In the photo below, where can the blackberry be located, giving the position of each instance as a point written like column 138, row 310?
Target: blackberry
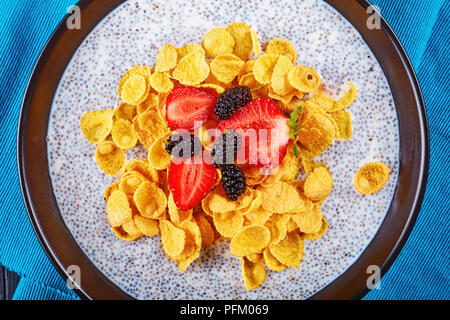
column 232, row 99
column 226, row 148
column 183, row 145
column 233, row 181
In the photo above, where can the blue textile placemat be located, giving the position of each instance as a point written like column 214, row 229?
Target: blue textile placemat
column 421, row 271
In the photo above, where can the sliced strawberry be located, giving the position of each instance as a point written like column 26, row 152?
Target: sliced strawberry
column 264, row 130
column 185, row 105
column 190, row 180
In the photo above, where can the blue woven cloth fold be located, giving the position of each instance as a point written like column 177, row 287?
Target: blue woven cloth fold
column 421, row 270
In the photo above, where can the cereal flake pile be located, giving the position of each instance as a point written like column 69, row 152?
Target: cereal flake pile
column 266, row 211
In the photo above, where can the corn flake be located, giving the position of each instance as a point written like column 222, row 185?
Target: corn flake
column 192, row 69
column 288, row 251
column 263, row 68
column 282, row 47
column 304, row 79
column 161, row 83
column 97, row 125
column 226, row 67
column 218, row 41
column 150, row 200
column 241, row 34
column 279, row 82
column 158, row 157
column 250, row 239
column 118, row 208
column 166, row 59
column 134, row 86
column 371, row 177
column 318, row 184
column 228, row 223
column 109, row 157
column 254, row 273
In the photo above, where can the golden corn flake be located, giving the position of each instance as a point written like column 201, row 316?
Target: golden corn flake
column 272, row 262
column 173, row 239
column 318, row 184
column 263, row 68
column 255, row 43
column 158, row 157
column 150, row 200
column 286, row 99
column 217, row 201
column 290, row 165
column 154, row 123
column 109, row 157
column 211, row 86
column 145, row 138
column 344, row 121
column 277, row 225
column 150, row 103
column 123, row 134
column 118, row 208
column 348, row 98
column 255, row 257
column 241, row 34
column 96, row 125
column 309, row 165
column 177, row 216
column 191, row 69
column 253, row 205
column 279, row 82
column 323, row 100
column 130, row 182
column 189, row 48
column 123, row 235
column 291, row 225
column 304, row 79
column 142, row 166
column 318, row 131
column 371, row 177
column 279, row 198
column 250, row 239
column 206, row 230
column 282, row 47
column 148, row 227
column 289, row 251
column 161, row 83
column 193, row 230
column 134, row 86
column 320, row 233
column 258, row 217
column 247, row 68
column 125, row 111
column 226, row 67
column 131, row 228
column 310, row 221
column 166, row 59
column 228, row 223
column 254, row 273
column 218, row 41
column 109, row 189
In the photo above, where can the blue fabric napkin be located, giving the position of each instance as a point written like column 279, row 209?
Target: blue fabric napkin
column 421, row 270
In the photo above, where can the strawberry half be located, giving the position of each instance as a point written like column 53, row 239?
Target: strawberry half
column 190, row 181
column 264, row 131
column 185, row 105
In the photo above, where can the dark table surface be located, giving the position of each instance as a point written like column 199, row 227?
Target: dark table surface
column 8, row 283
